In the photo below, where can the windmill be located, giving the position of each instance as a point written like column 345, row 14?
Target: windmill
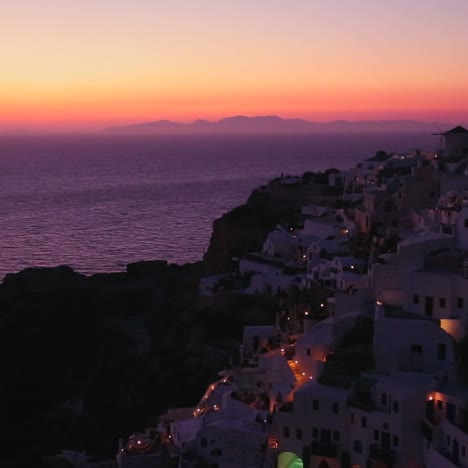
column 441, row 133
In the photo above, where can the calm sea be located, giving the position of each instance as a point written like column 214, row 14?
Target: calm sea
column 97, row 203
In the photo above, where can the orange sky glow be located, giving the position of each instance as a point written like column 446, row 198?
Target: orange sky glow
column 83, row 66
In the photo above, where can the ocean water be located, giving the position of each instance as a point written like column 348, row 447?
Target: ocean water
column 97, row 203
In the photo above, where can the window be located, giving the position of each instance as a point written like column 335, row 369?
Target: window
column 395, row 441
column 352, row 418
column 440, row 405
column 299, row 434
column 308, row 351
column 336, row 436
column 396, row 406
column 441, row 351
column 286, row 431
column 384, row 398
column 466, row 222
column 315, row 404
column 460, row 302
column 463, row 451
column 325, row 436
column 335, row 407
column 204, row 442
column 357, row 446
column 416, row 299
column 416, row 348
column 376, row 434
column 315, row 432
column 449, row 440
column 363, row 421
column 442, row 302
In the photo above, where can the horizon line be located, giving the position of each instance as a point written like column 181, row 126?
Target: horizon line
column 41, row 130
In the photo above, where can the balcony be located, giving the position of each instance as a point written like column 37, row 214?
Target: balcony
column 323, row 449
column 382, row 455
column 449, row 456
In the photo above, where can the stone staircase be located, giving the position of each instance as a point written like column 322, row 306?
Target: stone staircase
column 269, row 460
column 300, row 378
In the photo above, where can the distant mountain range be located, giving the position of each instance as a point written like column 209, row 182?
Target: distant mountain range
column 277, row 125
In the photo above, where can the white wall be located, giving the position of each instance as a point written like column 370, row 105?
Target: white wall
column 394, row 339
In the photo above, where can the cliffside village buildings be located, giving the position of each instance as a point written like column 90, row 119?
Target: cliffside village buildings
column 365, row 367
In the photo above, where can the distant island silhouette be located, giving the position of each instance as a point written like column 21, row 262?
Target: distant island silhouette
column 276, row 125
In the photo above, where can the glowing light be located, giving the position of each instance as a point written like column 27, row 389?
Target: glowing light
column 379, row 303
column 306, row 313
column 431, row 397
column 296, row 362
column 321, row 305
column 310, row 377
column 138, row 442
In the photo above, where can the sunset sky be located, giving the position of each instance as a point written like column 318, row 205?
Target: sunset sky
column 91, row 63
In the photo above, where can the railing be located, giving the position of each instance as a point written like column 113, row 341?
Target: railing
column 426, row 429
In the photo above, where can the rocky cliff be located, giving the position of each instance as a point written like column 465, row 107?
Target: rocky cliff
column 244, row 229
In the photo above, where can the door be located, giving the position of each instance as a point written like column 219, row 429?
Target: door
column 455, row 451
column 429, row 306
column 385, row 440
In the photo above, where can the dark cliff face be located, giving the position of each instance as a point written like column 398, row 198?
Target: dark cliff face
column 240, row 231
column 87, row 360
column 84, row 358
